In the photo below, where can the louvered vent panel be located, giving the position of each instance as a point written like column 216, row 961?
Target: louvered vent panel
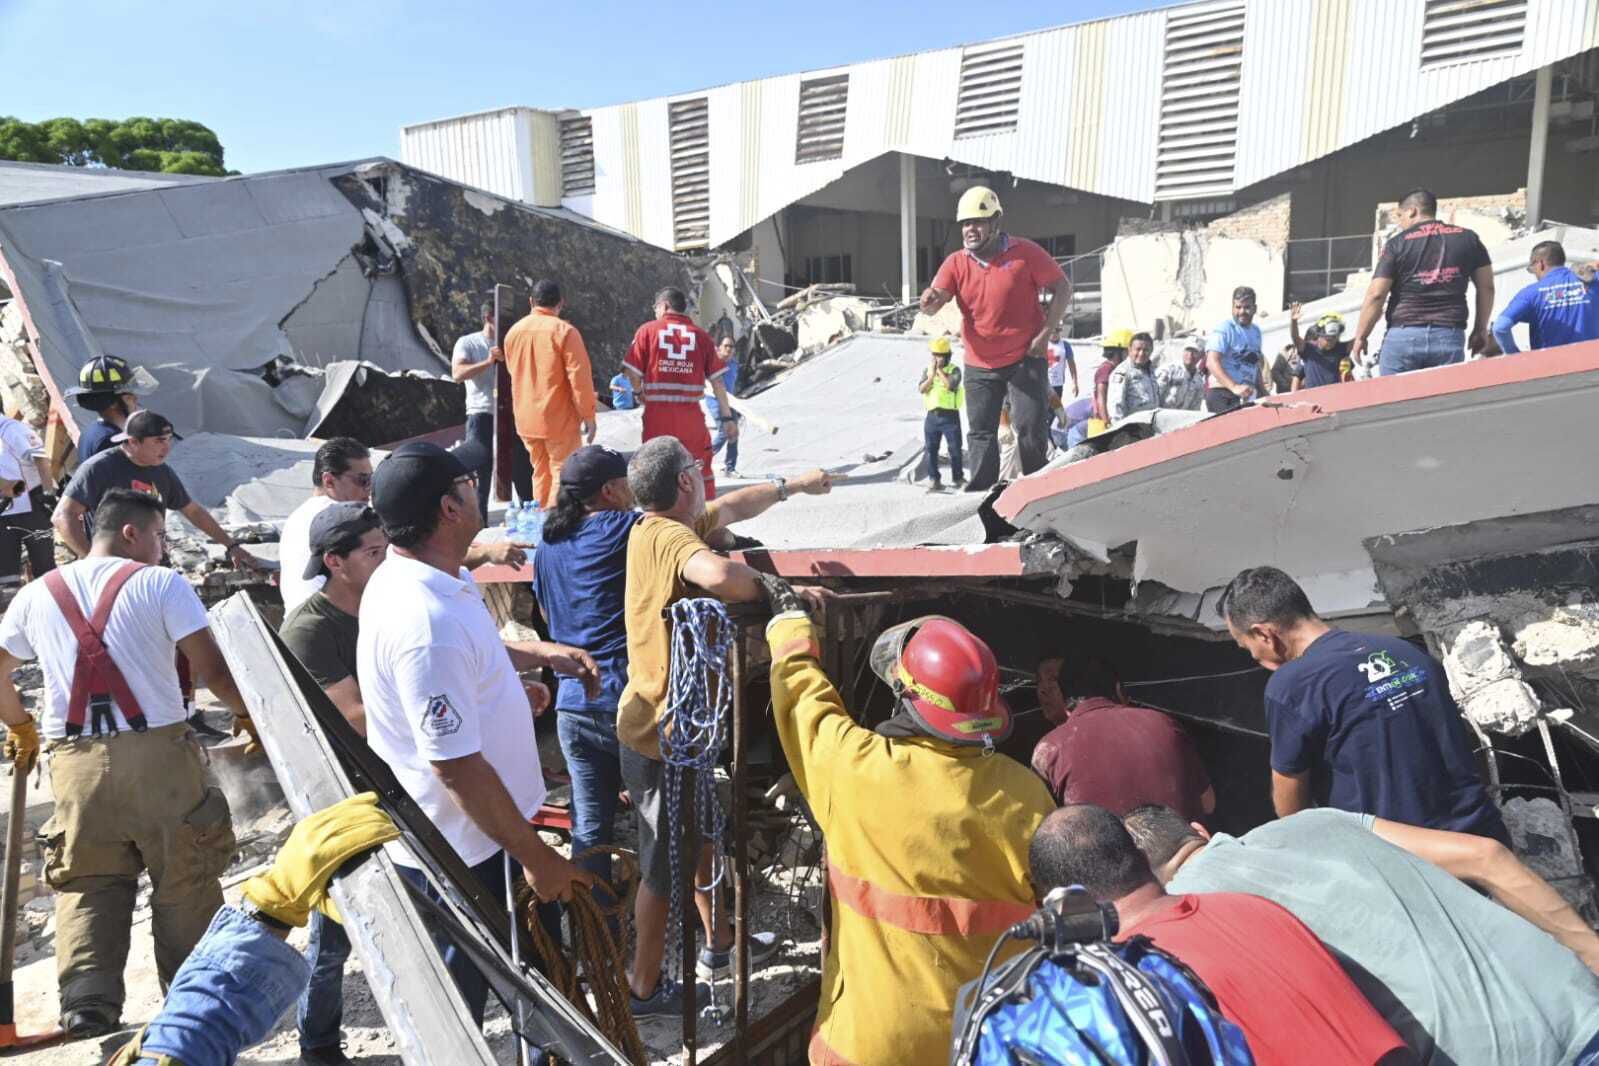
column 689, row 124
column 990, row 90
column 577, row 156
column 1203, row 62
column 1459, row 31
column 822, row 106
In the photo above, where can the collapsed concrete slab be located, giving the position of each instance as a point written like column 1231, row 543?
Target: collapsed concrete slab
column 220, row 288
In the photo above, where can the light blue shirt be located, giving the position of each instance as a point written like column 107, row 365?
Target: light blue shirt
column 228, row 994
column 1461, row 978
column 1240, row 348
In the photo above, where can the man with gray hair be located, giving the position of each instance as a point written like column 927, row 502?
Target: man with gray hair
column 669, row 558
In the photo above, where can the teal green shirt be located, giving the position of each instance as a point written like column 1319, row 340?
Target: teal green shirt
column 1463, row 980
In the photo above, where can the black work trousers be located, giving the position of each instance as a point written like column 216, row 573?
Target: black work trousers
column 1025, row 383
column 29, row 533
column 480, row 429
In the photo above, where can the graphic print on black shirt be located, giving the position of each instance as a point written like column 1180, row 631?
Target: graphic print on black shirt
column 1430, row 265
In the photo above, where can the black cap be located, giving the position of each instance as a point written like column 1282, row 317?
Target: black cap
column 409, row 483
column 144, row 424
column 587, row 470
column 334, row 526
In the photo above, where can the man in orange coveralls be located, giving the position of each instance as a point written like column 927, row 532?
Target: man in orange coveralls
column 668, row 364
column 552, row 388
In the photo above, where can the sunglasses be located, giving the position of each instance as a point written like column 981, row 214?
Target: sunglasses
column 363, row 480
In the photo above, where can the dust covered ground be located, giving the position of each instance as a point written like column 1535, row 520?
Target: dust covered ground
column 786, row 901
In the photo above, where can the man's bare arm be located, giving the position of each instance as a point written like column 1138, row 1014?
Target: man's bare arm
column 460, row 371
column 476, row 788
column 1060, row 300
column 68, row 523
column 1290, row 793
column 499, row 552
column 933, row 300
column 743, row 504
column 1370, row 310
column 1482, row 279
column 212, row 528
column 723, row 578
column 12, row 712
column 200, row 648
column 634, row 378
column 346, row 696
column 724, row 408
column 1489, row 865
column 562, row 658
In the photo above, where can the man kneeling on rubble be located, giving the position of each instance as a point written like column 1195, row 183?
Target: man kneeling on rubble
column 927, row 829
column 130, row 788
column 1460, row 976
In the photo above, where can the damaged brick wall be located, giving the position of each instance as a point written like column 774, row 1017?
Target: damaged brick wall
column 454, row 244
column 1266, row 222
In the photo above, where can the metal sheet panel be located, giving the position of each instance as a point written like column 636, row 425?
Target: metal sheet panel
column 478, row 150
column 1045, row 115
column 1285, row 90
column 1129, row 108
column 652, row 136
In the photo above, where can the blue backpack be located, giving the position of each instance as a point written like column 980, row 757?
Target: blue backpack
column 1096, row 1004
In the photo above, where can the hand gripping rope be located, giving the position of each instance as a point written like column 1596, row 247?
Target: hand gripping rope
column 692, row 730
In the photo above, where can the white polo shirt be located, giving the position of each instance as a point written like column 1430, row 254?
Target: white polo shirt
column 154, row 610
column 294, row 552
column 19, row 444
column 438, row 684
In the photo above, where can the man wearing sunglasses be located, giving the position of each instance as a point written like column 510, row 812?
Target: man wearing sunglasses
column 340, row 473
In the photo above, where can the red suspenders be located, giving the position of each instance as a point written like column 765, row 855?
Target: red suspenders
column 96, row 678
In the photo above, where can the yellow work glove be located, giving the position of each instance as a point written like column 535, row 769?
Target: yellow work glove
column 22, row 745
column 243, row 723
column 316, row 848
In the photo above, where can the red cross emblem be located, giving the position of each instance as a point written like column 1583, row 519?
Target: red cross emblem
column 676, row 340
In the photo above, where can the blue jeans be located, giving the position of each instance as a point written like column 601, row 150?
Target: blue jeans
column 943, row 425
column 491, row 873
column 1406, row 348
column 588, row 740
column 320, row 1017
column 720, row 439
column 228, row 994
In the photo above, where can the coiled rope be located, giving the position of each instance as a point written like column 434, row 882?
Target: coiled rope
column 596, row 947
column 699, row 701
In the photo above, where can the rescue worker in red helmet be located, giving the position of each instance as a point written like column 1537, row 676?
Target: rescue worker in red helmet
column 927, row 829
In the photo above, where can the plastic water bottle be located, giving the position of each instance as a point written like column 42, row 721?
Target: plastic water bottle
column 533, row 519
column 512, row 517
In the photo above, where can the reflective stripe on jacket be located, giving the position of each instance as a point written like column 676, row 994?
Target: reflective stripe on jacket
column 927, row 863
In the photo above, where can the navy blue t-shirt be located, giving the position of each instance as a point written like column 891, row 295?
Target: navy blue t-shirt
column 95, row 439
column 581, row 585
column 1375, row 715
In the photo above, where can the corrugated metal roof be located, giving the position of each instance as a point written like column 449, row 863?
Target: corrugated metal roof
column 1087, row 111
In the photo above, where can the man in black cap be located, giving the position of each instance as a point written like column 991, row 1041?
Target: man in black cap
column 444, row 706
column 347, row 544
column 140, row 463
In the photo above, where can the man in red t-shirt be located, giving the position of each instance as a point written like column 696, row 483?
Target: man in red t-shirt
column 668, row 364
column 1106, row 752
column 1269, row 973
column 996, row 280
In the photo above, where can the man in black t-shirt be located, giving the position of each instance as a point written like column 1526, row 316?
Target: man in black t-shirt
column 1422, row 276
column 347, row 544
column 139, row 462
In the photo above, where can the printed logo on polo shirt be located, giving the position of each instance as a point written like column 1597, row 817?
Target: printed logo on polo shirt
column 1390, row 680
column 441, row 718
column 1378, row 665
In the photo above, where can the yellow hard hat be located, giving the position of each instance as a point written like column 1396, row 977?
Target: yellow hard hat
column 977, row 202
column 939, row 345
column 1119, row 338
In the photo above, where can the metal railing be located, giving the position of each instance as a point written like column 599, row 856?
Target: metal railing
column 1319, row 266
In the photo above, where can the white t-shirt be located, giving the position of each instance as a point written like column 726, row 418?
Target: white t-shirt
column 438, row 684
column 21, row 445
column 294, row 551
column 154, row 610
column 474, row 348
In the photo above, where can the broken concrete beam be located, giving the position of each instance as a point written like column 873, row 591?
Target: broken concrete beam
column 1543, row 838
column 1486, row 680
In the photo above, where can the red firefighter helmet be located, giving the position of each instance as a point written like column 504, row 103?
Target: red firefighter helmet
column 947, row 680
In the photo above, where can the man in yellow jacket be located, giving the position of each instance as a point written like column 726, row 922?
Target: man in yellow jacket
column 927, row 830
column 552, row 388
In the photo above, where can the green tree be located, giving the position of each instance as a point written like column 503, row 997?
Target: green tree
column 173, row 146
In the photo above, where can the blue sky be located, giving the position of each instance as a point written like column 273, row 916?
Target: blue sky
column 296, row 82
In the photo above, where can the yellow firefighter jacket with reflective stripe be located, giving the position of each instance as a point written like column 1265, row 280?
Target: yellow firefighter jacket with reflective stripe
column 927, row 863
